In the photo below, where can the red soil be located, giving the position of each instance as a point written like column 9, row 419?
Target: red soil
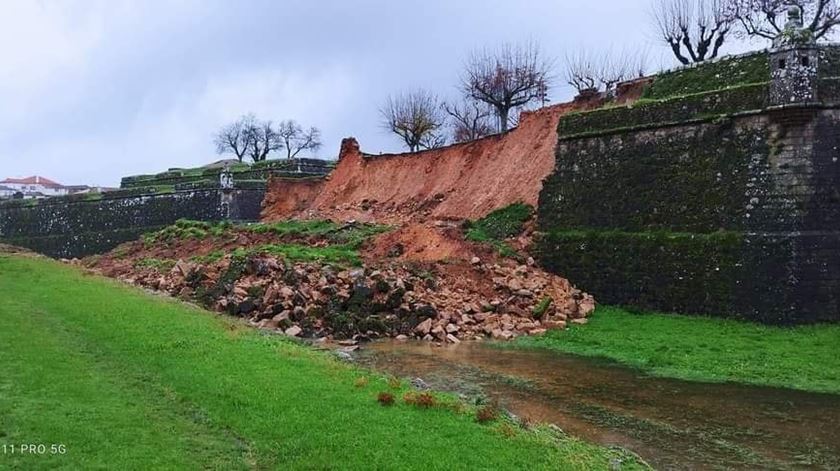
column 290, row 196
column 425, row 243
column 460, row 181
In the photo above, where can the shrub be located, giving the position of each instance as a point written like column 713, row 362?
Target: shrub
column 486, row 414
column 507, row 430
column 425, row 400
column 385, row 398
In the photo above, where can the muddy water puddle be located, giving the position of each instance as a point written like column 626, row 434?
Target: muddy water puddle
column 671, row 424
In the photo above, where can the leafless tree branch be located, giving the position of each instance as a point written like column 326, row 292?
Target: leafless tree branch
column 766, row 18
column 415, row 117
column 506, row 78
column 695, row 30
column 469, row 120
column 295, row 139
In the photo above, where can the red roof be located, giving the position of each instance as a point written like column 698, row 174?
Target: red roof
column 36, row 180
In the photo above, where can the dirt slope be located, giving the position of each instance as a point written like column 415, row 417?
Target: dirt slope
column 462, row 181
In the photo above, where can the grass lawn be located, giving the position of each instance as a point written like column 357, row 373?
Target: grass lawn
column 127, row 380
column 706, row 349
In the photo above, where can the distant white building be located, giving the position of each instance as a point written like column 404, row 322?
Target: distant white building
column 34, row 186
column 7, row 192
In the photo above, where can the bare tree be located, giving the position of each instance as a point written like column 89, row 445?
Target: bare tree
column 415, row 117
column 581, row 71
column 231, row 139
column 695, row 30
column 603, row 72
column 506, row 78
column 295, row 139
column 260, row 137
column 470, row 120
column 766, row 18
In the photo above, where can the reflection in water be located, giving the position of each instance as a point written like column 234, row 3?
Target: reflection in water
column 671, row 424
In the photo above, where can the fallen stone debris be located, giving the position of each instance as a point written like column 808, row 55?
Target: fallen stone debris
column 446, row 301
column 400, row 300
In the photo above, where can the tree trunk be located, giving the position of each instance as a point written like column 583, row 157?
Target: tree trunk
column 503, row 119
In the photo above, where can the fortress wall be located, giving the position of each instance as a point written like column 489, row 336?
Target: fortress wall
column 711, row 203
column 67, row 228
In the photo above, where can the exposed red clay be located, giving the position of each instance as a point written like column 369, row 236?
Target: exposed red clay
column 462, row 181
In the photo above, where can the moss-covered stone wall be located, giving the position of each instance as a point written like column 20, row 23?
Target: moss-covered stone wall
column 85, row 224
column 242, row 172
column 731, row 209
column 90, row 224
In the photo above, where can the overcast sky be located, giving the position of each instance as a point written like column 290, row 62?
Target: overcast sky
column 93, row 90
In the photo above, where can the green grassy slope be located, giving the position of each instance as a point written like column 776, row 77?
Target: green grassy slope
column 706, row 349
column 125, row 380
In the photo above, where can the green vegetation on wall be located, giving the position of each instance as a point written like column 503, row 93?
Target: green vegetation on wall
column 700, row 199
column 690, row 272
column 705, row 106
column 708, row 76
column 702, row 92
column 643, row 181
column 243, row 174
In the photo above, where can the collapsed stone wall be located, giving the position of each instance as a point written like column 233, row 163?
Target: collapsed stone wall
column 460, row 181
column 715, row 202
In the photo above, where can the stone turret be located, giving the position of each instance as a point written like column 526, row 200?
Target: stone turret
column 794, row 60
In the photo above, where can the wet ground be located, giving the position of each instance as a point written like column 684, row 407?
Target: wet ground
column 671, row 424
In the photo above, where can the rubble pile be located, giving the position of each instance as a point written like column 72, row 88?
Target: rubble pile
column 441, row 302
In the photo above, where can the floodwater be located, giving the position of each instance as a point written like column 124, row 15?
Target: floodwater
column 671, row 424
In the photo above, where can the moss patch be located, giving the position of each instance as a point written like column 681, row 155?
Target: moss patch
column 716, row 75
column 499, row 225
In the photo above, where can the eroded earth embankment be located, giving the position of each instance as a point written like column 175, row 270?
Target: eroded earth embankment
column 462, row 181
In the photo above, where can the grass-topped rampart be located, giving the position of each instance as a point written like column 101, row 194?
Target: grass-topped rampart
column 702, row 92
column 242, row 172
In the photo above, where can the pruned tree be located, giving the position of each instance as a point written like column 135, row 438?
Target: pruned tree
column 261, row 138
column 506, row 78
column 603, row 72
column 415, row 117
column 766, row 18
column 469, row 120
column 231, row 139
column 295, row 139
column 695, row 30
column 581, row 71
